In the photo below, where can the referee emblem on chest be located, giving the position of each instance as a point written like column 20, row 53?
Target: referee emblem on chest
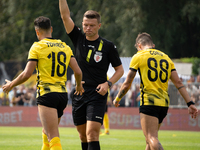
column 98, row 56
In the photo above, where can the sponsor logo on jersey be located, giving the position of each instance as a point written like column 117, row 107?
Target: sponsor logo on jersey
column 98, row 117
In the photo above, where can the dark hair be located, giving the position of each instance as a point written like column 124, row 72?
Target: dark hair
column 42, row 23
column 91, row 14
column 144, row 39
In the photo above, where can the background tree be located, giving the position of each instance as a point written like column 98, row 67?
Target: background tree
column 174, row 25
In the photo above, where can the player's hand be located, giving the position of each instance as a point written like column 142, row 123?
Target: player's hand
column 116, row 103
column 102, row 89
column 7, row 87
column 79, row 89
column 193, row 111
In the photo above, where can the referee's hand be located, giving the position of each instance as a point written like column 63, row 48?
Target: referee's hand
column 102, row 89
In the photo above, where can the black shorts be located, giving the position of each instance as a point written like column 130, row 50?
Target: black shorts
column 54, row 100
column 106, row 110
column 156, row 111
column 90, row 106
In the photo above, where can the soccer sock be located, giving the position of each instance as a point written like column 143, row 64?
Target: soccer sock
column 94, row 145
column 45, row 145
column 106, row 123
column 55, row 144
column 84, row 146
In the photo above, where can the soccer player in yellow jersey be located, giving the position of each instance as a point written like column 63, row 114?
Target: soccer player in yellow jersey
column 51, row 58
column 155, row 69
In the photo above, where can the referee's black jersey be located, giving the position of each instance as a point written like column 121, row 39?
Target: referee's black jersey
column 94, row 57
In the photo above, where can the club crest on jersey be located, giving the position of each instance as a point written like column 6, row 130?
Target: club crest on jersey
column 98, row 56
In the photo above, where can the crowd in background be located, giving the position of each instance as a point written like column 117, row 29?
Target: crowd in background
column 19, row 96
column 193, row 88
column 26, row 96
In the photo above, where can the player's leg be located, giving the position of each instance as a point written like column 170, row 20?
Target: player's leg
column 106, row 123
column 150, row 127
column 45, row 145
column 92, row 132
column 82, row 135
column 95, row 114
column 49, row 120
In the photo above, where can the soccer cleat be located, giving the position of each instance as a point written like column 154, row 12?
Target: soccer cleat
column 107, row 133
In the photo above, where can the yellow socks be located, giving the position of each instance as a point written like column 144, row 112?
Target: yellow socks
column 45, row 145
column 106, row 123
column 55, row 144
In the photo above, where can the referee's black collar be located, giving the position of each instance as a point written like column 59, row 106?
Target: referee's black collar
column 98, row 39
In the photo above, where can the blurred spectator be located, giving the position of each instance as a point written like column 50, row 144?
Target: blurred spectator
column 198, row 101
column 11, row 95
column 191, row 80
column 122, row 102
column 198, row 79
column 137, row 97
column 19, row 99
column 3, row 98
column 136, row 93
column 34, row 92
column 129, row 97
column 193, row 97
column 29, row 97
column 69, row 87
column 113, row 92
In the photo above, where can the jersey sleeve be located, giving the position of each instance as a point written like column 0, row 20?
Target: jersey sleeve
column 134, row 64
column 74, row 34
column 33, row 53
column 172, row 65
column 114, row 56
column 69, row 48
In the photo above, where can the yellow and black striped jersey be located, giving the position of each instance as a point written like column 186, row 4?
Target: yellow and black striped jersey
column 155, row 69
column 53, row 57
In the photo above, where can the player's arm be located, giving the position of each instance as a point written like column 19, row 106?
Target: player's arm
column 65, row 15
column 77, row 74
column 25, row 75
column 181, row 88
column 125, row 87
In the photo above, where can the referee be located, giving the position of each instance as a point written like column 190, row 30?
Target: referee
column 94, row 55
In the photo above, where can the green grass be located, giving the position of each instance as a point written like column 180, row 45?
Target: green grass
column 29, row 138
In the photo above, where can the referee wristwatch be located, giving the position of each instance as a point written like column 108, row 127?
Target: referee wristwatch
column 109, row 83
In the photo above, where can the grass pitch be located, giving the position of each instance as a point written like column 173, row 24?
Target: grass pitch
column 30, row 138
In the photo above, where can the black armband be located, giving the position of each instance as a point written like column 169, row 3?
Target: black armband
column 190, row 103
column 180, row 87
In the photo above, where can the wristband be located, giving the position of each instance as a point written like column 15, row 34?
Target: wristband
column 190, row 103
column 118, row 99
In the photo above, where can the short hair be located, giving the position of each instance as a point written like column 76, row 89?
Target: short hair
column 42, row 23
column 144, row 39
column 91, row 14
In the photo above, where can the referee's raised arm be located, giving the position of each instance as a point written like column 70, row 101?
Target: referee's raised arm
column 65, row 15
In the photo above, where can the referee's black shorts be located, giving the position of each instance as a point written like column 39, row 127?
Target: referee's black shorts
column 156, row 111
column 90, row 106
column 54, row 100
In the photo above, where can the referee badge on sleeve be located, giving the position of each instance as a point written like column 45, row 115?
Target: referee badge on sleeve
column 98, row 56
